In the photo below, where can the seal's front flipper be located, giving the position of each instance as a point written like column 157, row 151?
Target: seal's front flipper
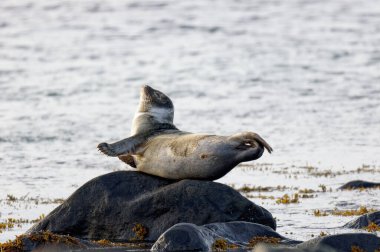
column 122, row 147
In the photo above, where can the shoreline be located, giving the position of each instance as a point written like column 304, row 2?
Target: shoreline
column 316, row 190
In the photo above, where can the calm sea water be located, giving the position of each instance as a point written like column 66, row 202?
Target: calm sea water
column 303, row 74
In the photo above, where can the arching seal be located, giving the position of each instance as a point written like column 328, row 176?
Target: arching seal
column 157, row 147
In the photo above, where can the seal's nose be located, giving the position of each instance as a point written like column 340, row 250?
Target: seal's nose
column 147, row 90
column 146, row 86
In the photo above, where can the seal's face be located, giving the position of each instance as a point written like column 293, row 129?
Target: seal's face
column 155, row 108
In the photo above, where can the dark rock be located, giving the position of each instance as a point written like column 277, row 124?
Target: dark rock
column 332, row 243
column 126, row 205
column 282, row 248
column 184, row 236
column 49, row 242
column 359, row 184
column 344, row 242
column 364, row 220
column 190, row 237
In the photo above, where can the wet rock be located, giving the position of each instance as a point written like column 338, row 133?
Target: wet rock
column 364, row 220
column 359, row 184
column 331, row 243
column 343, row 242
column 281, row 248
column 128, row 205
column 46, row 241
column 190, row 237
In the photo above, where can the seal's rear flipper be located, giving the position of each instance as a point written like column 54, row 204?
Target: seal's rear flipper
column 128, row 159
column 247, row 137
column 122, row 147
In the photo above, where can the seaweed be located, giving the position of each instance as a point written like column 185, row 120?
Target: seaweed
column 140, row 231
column 263, row 239
column 286, row 199
column 222, row 245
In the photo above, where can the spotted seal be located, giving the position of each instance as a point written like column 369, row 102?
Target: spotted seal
column 158, row 148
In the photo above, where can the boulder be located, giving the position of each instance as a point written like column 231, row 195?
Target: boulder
column 332, row 243
column 344, row 242
column 49, row 242
column 129, row 205
column 281, row 248
column 46, row 241
column 364, row 220
column 359, row 184
column 216, row 236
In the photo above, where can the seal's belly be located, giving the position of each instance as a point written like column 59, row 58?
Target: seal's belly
column 178, row 156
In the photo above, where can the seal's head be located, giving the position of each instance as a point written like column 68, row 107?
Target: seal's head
column 250, row 146
column 155, row 108
column 153, row 100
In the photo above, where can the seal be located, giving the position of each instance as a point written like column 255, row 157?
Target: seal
column 158, row 148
